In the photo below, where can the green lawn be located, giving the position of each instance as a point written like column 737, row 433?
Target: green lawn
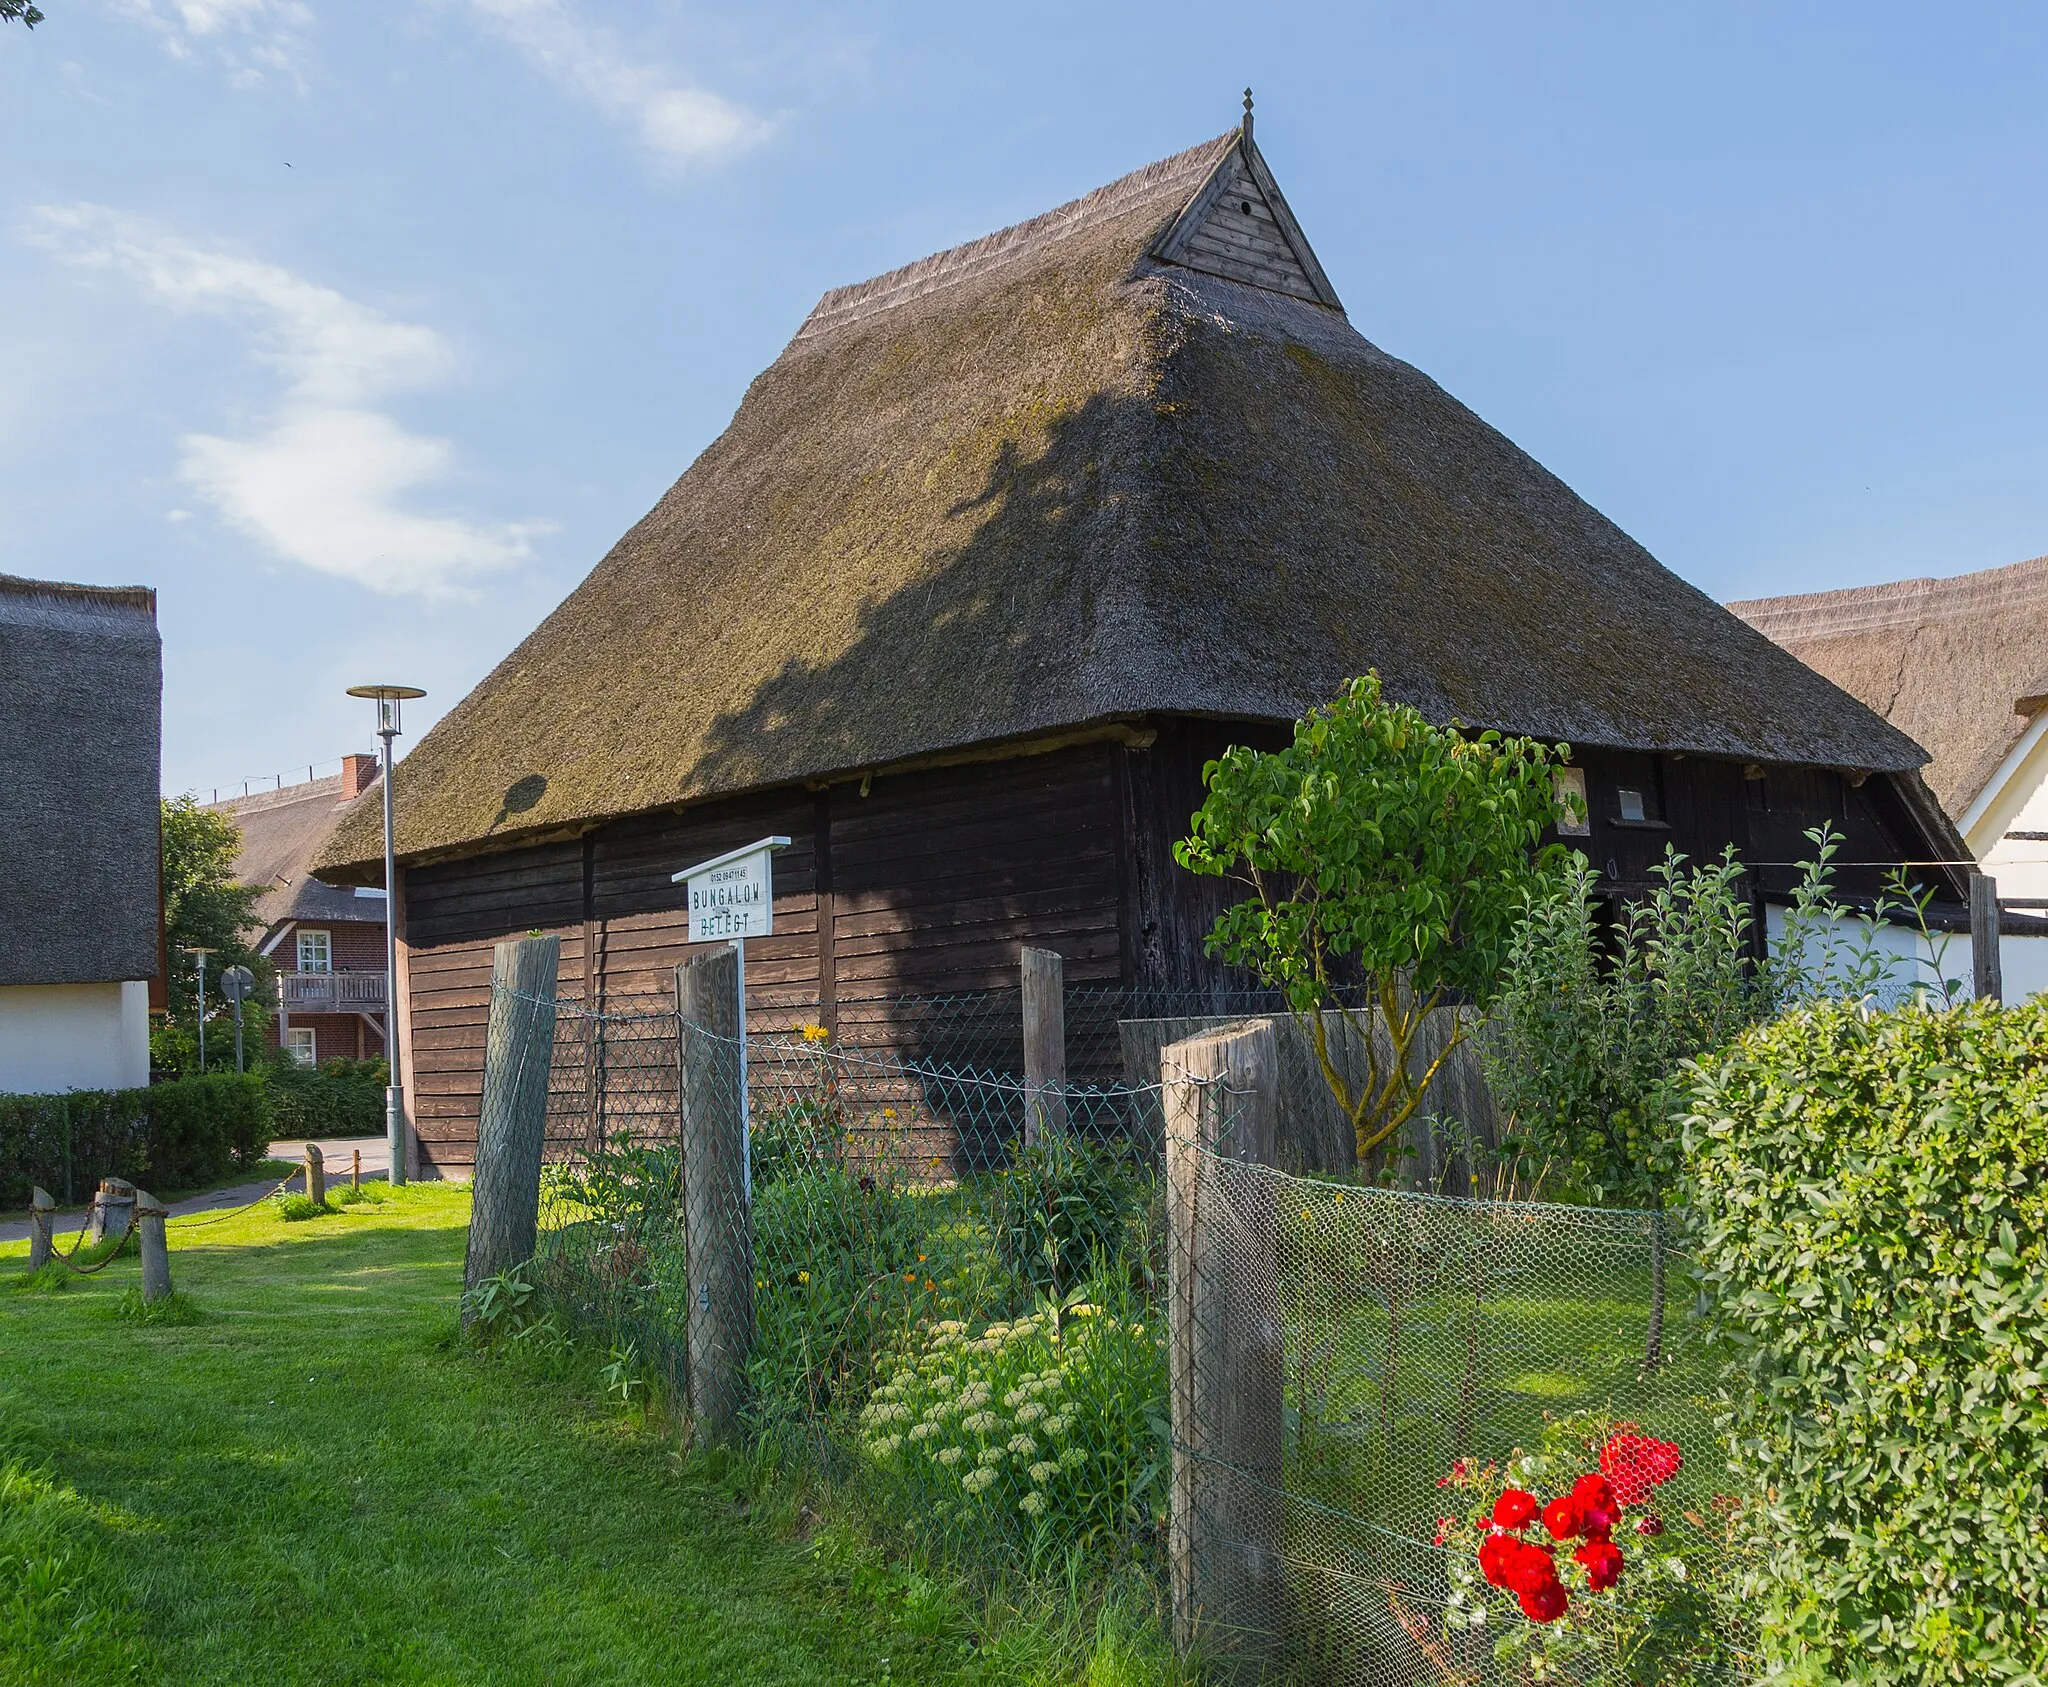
column 319, row 1481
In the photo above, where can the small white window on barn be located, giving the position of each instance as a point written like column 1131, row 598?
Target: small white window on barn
column 299, row 1044
column 1631, row 806
column 316, row 952
column 1574, row 818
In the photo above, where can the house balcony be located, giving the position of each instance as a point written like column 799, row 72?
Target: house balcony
column 330, row 992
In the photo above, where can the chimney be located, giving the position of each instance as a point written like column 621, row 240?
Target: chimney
column 358, row 774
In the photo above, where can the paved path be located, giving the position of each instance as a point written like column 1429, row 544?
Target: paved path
column 335, row 1150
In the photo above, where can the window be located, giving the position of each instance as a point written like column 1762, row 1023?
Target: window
column 316, row 952
column 299, row 1044
column 1574, row 818
column 1631, row 806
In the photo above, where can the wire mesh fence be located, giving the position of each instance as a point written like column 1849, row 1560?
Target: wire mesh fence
column 1428, row 1355
column 990, row 1312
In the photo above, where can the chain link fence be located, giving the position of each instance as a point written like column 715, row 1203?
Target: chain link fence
column 1094, row 1324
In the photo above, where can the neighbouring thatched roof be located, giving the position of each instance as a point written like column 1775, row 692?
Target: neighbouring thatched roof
column 1051, row 478
column 81, row 680
column 282, row 832
column 1960, row 664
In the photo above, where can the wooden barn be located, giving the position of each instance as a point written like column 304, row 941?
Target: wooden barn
column 1000, row 550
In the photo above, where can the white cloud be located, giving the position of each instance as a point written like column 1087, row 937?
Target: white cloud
column 324, row 484
column 253, row 38
column 679, row 124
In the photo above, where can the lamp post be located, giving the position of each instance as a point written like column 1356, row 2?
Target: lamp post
column 388, row 698
column 201, row 954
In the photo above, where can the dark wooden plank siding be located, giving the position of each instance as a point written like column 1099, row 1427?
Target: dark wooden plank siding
column 928, row 884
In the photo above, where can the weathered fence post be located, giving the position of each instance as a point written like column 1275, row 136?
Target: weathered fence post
column 519, row 1048
column 316, row 1175
column 1226, row 1348
column 355, row 1168
column 156, row 1252
column 717, row 1220
column 113, row 1210
column 41, row 1227
column 1045, row 1045
column 1987, row 976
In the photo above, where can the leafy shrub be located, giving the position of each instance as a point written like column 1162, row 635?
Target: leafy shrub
column 1062, row 1210
column 1592, row 1027
column 334, row 1098
column 1873, row 1191
column 1047, row 1432
column 169, row 1136
column 501, row 1304
column 296, row 1209
column 845, row 1264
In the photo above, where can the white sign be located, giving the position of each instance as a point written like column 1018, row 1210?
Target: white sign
column 733, row 895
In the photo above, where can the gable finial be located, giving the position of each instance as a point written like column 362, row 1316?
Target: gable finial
column 1247, row 114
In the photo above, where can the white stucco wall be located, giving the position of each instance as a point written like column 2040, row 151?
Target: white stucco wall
column 73, row 1037
column 2023, row 961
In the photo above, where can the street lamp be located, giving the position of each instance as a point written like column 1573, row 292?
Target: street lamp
column 388, row 698
column 201, row 954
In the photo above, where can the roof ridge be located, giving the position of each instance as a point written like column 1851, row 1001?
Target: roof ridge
column 1898, row 603
column 863, row 299
column 47, row 597
column 306, row 790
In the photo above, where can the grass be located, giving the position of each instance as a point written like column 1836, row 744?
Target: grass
column 302, row 1473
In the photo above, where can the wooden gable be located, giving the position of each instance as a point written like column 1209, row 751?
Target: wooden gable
column 1238, row 226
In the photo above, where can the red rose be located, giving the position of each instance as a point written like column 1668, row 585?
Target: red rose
column 1650, row 1525
column 1603, row 1562
column 1443, row 1531
column 1596, row 1500
column 1543, row 1604
column 1563, row 1517
column 1494, row 1553
column 1637, row 1463
column 1513, row 1508
column 1528, row 1566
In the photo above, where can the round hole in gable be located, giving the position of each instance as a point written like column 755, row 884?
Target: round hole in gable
column 1245, row 205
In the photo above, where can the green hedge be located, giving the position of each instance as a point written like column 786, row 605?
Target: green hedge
column 335, row 1098
column 169, row 1136
column 1874, row 1195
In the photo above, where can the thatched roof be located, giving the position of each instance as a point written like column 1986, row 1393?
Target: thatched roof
column 1960, row 664
column 1055, row 477
column 81, row 680
column 282, row 832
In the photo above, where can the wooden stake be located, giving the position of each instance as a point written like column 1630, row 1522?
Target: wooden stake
column 519, row 1049
column 718, row 1228
column 113, row 1211
column 156, row 1252
column 41, row 1227
column 1045, row 1045
column 1225, row 1349
column 355, row 1169
column 1987, row 976
column 316, row 1175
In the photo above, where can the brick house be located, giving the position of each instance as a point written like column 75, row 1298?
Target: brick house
column 326, row 941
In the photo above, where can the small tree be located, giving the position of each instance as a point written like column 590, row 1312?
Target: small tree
column 205, row 907
column 1384, row 847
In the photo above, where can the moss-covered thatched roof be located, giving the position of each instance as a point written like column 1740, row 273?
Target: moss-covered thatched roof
column 1960, row 663
column 1051, row 479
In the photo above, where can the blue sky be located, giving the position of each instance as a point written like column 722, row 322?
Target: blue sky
column 361, row 331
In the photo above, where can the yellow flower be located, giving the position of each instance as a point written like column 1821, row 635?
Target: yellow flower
column 888, row 1112
column 803, row 1276
column 816, row 1034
